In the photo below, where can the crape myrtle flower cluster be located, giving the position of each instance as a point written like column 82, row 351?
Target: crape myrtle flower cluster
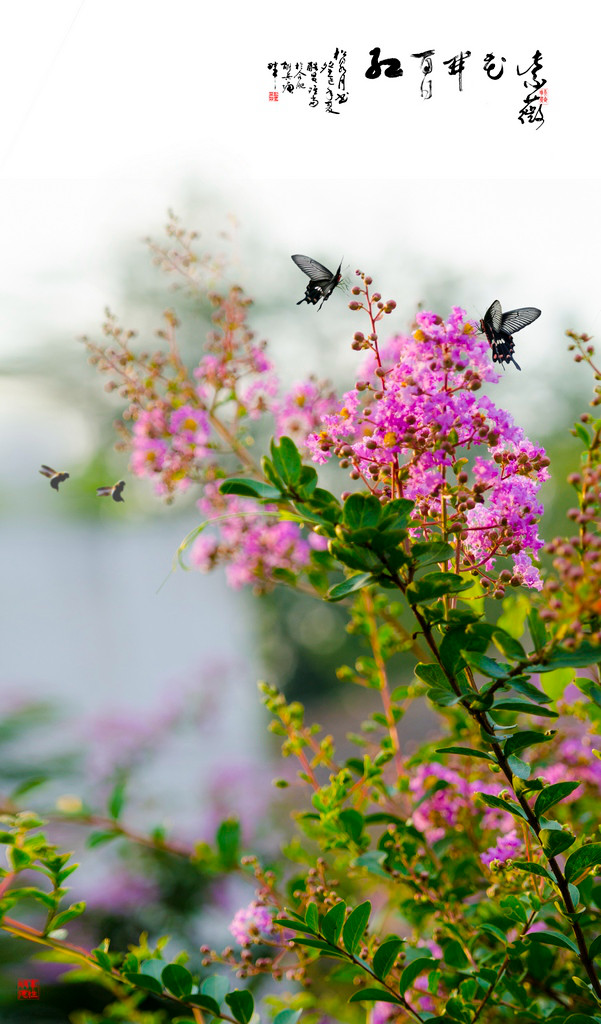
column 413, row 423
column 412, row 427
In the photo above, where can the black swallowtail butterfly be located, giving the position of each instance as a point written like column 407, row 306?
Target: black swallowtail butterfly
column 54, row 476
column 322, row 282
column 500, row 327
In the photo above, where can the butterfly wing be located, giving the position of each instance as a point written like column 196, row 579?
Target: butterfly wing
column 47, row 471
column 491, row 324
column 314, row 270
column 103, row 492
column 515, row 319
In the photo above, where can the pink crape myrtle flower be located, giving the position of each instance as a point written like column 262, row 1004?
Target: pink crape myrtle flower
column 444, row 809
column 403, row 429
column 251, row 544
column 250, row 920
column 506, row 848
column 300, row 412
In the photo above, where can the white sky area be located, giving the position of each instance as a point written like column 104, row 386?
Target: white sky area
column 114, row 111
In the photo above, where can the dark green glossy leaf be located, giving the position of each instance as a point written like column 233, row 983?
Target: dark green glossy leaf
column 331, row 924
column 525, row 708
column 103, row 959
column 361, row 511
column 413, row 970
column 586, row 857
column 434, row 585
column 249, row 488
column 354, row 926
column 585, row 654
column 532, row 868
column 528, row 689
column 487, row 666
column 537, row 629
column 295, row 926
column 522, row 740
column 385, row 957
column 518, row 767
column 216, row 987
column 178, row 980
column 348, row 586
column 204, row 1002
column 551, row 795
column 427, row 551
column 553, row 939
column 595, row 946
column 287, row 1017
column 503, row 805
column 468, row 751
column 555, row 841
column 510, row 647
column 312, row 916
column 287, row 460
column 241, row 1003
column 589, row 689
column 374, row 995
column 145, row 981
column 454, row 955
column 352, row 823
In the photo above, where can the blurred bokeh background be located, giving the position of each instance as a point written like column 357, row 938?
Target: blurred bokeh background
column 115, row 118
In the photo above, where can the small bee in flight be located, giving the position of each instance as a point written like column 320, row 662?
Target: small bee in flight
column 114, row 492
column 56, row 478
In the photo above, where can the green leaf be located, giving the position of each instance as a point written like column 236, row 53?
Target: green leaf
column 287, row 1017
column 524, row 707
column 103, row 959
column 503, row 805
column 454, row 955
column 532, row 868
column 556, row 681
column 518, row 767
column 522, row 740
column 331, row 925
column 581, row 1018
column 589, row 689
column 552, row 795
column 468, row 751
column 67, row 915
column 248, row 488
column 385, row 957
column 178, row 980
column 352, row 822
column 487, row 666
column 312, row 916
column 553, row 939
column 241, row 1003
column 373, row 860
column 595, row 946
column 287, row 460
column 116, row 800
column 146, row 982
column 434, row 585
column 204, row 1002
column 586, row 857
column 348, row 586
column 427, row 551
column 154, row 968
column 508, row 645
column 100, row 837
column 18, row 858
column 322, row 945
column 361, row 511
column 374, row 995
column 354, row 926
column 413, row 970
column 216, row 986
column 537, row 629
column 228, row 842
column 295, row 926
column 555, row 841
column 528, row 689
